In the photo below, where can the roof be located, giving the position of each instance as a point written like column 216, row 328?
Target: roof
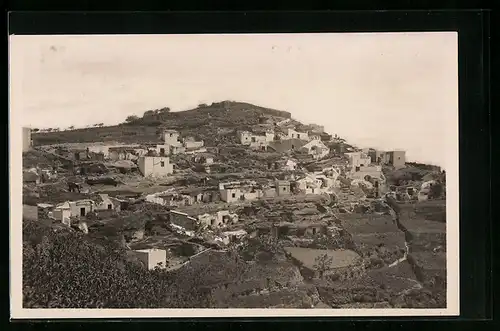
column 191, row 191
column 340, row 258
column 170, row 131
column 147, row 250
column 44, row 205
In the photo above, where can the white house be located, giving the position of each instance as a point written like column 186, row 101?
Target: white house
column 162, row 150
column 292, row 134
column 107, row 203
column 152, row 257
column 290, row 165
column 68, row 209
column 358, row 159
column 233, row 192
column 170, row 136
column 155, row 166
column 256, row 141
column 316, row 148
column 191, row 143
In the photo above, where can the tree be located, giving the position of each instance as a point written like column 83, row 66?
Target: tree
column 100, row 125
column 322, row 264
column 35, row 130
column 71, row 127
column 436, row 190
column 131, row 118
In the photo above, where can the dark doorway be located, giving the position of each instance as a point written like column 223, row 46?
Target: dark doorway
column 82, row 211
column 162, row 151
column 110, row 206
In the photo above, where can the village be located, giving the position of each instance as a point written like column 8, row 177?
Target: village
column 170, row 202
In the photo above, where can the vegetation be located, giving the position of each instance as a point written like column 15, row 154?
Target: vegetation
column 65, row 270
column 216, row 123
column 322, row 264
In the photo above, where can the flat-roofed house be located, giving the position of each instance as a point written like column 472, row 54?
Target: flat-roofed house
column 155, row 166
column 152, row 258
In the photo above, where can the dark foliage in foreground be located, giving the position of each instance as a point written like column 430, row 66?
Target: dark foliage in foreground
column 63, row 270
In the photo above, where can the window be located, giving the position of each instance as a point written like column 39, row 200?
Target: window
column 298, row 136
column 284, row 189
column 171, row 135
column 234, row 195
column 162, row 164
column 162, row 150
column 82, row 211
column 110, row 206
column 314, row 230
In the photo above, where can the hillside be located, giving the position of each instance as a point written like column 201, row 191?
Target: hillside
column 214, row 123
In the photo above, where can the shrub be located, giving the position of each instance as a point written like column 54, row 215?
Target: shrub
column 65, row 270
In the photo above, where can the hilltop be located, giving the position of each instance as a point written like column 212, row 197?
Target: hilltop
column 215, row 123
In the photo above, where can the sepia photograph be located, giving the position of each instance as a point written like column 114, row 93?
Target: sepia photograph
column 234, row 175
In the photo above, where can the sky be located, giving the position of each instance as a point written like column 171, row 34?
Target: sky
column 382, row 90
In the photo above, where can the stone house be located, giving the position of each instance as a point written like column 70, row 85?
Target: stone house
column 316, row 148
column 192, row 196
column 395, row 158
column 218, row 219
column 357, row 160
column 292, row 134
column 256, row 141
column 108, row 203
column 282, row 187
column 121, row 153
column 314, row 136
column 234, row 192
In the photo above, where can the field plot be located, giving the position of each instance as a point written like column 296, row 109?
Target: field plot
column 357, row 224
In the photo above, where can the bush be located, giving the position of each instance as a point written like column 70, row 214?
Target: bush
column 65, row 270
